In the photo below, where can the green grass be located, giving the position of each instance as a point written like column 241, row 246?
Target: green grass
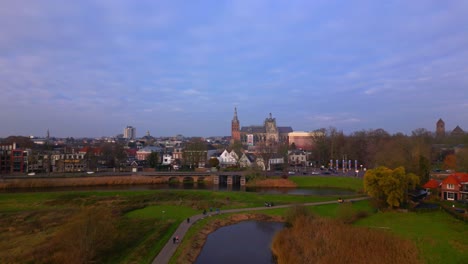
column 440, row 237
column 332, row 210
column 163, row 212
column 350, row 183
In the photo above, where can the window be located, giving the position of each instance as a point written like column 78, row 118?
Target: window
column 450, row 186
column 450, row 196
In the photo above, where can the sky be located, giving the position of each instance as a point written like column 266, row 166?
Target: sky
column 90, row 68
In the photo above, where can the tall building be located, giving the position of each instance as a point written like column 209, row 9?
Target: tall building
column 440, row 128
column 251, row 135
column 130, row 132
column 235, row 127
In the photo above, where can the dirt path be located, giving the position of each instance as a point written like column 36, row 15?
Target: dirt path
column 169, row 249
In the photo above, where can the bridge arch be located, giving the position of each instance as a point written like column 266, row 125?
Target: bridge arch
column 188, row 179
column 173, row 179
column 201, row 179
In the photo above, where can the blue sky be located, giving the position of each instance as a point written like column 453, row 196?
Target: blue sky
column 90, row 68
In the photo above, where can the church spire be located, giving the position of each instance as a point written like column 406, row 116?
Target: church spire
column 235, row 127
column 235, row 115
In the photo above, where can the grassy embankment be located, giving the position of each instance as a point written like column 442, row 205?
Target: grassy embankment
column 439, row 237
column 350, row 183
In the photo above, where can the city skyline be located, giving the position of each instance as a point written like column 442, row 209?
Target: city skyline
column 88, row 69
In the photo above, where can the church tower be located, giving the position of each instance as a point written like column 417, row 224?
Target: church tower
column 235, row 127
column 440, row 128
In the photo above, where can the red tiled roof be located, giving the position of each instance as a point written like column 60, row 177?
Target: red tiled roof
column 131, row 152
column 431, row 184
column 462, row 177
column 452, row 179
column 90, row 149
column 456, row 178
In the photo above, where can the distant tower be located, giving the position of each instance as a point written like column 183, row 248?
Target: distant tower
column 235, row 127
column 440, row 128
column 48, row 134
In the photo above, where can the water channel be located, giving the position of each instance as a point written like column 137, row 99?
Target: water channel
column 145, row 187
column 245, row 242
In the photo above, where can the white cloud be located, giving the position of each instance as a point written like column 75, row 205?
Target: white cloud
column 190, row 92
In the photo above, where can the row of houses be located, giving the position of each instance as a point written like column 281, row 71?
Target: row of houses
column 17, row 160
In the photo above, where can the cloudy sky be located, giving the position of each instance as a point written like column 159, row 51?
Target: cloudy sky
column 90, row 68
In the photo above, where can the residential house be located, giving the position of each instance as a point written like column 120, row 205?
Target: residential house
column 432, row 186
column 143, row 154
column 247, row 160
column 297, row 157
column 275, row 161
column 228, row 159
column 453, row 188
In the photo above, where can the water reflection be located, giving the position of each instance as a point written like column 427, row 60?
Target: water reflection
column 245, row 242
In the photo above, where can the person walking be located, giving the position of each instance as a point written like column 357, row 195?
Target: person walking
column 188, row 220
column 173, row 240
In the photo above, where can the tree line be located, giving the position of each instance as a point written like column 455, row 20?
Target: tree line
column 418, row 153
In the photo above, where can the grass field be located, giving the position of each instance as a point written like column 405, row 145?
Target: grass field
column 350, row 183
column 30, row 221
column 440, row 237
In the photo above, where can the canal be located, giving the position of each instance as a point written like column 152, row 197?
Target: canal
column 245, row 242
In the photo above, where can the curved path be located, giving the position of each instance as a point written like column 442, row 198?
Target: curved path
column 168, row 250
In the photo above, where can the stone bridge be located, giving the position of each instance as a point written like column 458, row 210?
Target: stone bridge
column 216, row 178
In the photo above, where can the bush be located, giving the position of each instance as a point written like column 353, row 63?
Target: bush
column 329, row 241
column 347, row 215
column 296, row 212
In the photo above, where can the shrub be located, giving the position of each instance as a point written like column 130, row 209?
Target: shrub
column 296, row 212
column 328, row 241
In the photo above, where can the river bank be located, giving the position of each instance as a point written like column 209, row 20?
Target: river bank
column 88, row 181
column 6, row 184
column 193, row 245
column 276, row 183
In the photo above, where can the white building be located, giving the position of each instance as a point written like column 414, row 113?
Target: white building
column 228, row 159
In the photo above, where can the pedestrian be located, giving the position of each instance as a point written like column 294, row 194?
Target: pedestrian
column 188, row 220
column 173, row 240
column 177, row 239
column 204, row 211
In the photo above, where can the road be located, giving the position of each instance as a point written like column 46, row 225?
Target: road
column 169, row 249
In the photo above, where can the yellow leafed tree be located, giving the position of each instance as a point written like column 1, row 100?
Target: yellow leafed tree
column 389, row 186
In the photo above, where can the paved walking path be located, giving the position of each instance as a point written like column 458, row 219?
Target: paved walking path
column 168, row 250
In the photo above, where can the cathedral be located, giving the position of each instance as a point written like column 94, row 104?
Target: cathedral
column 251, row 135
